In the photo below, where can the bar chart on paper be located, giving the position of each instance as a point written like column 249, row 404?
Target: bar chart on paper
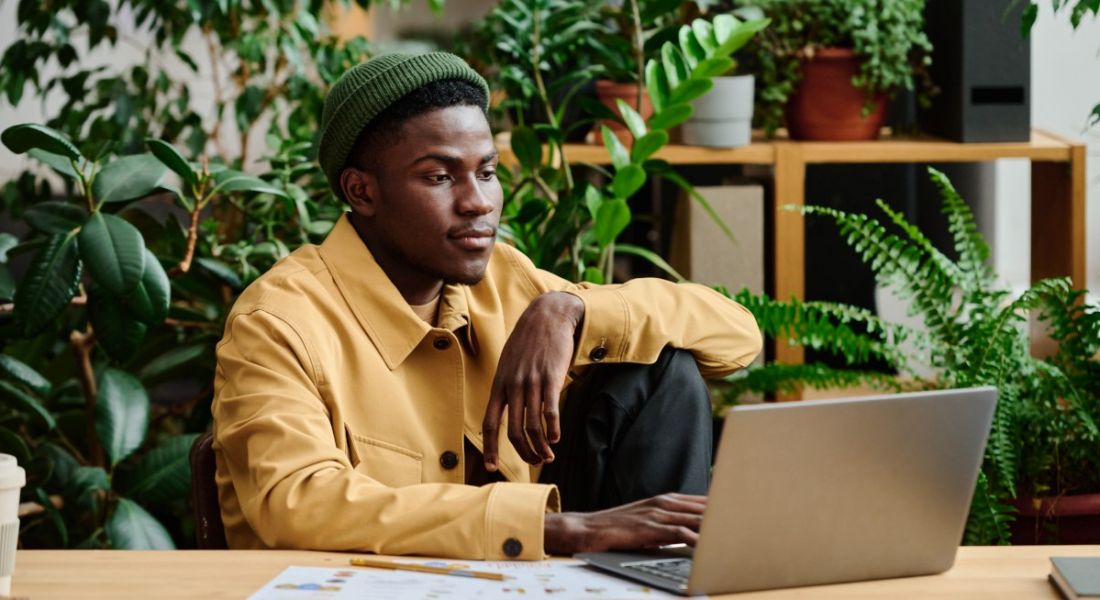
column 556, row 579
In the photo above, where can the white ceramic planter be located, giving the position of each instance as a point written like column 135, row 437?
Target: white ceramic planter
column 723, row 116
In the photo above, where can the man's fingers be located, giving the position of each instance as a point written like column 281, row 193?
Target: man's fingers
column 532, row 423
column 681, row 503
column 551, row 393
column 676, row 534
column 490, row 428
column 683, row 519
column 516, row 401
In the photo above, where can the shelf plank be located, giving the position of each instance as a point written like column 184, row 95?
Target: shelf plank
column 924, row 149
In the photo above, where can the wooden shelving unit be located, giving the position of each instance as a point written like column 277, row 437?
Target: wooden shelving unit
column 1057, row 193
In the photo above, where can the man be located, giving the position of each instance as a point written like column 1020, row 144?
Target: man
column 364, row 385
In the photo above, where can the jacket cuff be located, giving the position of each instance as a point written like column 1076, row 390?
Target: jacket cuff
column 606, row 327
column 515, row 518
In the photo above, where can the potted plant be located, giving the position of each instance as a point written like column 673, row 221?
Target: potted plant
column 722, row 117
column 827, row 67
column 632, row 32
column 1040, row 481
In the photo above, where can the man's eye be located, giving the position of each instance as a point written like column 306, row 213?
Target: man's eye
column 438, row 178
column 488, row 175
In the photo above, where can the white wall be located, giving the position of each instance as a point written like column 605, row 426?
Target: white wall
column 1065, row 85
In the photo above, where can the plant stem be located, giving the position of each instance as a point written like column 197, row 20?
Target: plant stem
column 192, row 238
column 639, row 51
column 82, row 344
column 536, row 60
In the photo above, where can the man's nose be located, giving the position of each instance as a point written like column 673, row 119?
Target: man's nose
column 472, row 199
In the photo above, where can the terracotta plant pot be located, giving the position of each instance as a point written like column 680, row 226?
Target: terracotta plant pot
column 608, row 92
column 826, row 106
column 1066, row 520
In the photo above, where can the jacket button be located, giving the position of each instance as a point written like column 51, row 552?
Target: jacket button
column 449, row 460
column 441, row 343
column 512, row 547
column 598, row 353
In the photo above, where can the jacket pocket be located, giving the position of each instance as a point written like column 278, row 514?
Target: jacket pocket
column 386, row 463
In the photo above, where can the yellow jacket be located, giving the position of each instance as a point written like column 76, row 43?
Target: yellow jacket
column 334, row 402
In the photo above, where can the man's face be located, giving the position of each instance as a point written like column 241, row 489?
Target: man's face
column 434, row 199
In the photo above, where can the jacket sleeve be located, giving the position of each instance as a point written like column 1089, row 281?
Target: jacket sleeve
column 631, row 322
column 297, row 488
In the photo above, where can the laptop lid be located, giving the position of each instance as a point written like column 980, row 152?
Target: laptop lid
column 839, row 490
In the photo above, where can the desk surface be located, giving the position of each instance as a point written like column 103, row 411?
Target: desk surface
column 1004, row 573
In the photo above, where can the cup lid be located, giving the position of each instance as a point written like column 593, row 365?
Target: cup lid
column 11, row 474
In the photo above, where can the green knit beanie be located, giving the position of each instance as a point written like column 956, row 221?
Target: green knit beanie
column 369, row 88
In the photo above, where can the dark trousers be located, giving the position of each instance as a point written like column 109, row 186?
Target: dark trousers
column 632, row 431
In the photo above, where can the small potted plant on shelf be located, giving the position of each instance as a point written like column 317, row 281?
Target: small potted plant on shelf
column 632, row 32
column 827, row 67
column 722, row 118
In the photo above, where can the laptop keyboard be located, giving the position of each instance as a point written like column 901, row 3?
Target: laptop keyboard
column 676, row 570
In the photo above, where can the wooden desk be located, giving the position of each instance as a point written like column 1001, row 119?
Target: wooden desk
column 1057, row 193
column 1003, row 573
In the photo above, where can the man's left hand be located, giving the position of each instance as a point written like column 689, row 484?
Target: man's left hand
column 530, row 376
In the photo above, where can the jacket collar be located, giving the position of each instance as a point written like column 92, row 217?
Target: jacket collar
column 381, row 311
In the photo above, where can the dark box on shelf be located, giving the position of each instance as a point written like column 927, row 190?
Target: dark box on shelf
column 982, row 66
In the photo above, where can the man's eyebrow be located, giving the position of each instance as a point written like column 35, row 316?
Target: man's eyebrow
column 451, row 160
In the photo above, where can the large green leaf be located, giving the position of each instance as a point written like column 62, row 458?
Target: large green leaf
column 132, row 528
column 628, row 180
column 7, row 242
column 738, row 36
column 11, row 443
column 652, row 257
column 55, row 216
column 645, row 146
column 690, row 90
column 526, row 147
column 56, row 162
column 173, row 360
column 21, row 138
column 128, row 178
column 236, row 181
column 164, row 473
column 693, row 52
column 671, row 116
column 113, row 252
column 86, row 485
column 172, row 159
column 712, row 67
column 634, row 121
column 149, row 300
column 118, row 331
column 676, row 70
column 16, row 370
column 49, row 284
column 24, row 402
column 657, row 85
column 121, row 413
column 222, row 271
column 620, row 157
column 612, row 219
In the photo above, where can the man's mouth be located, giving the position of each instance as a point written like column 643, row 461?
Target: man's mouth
column 477, row 237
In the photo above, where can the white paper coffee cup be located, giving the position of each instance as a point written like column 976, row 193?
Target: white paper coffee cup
column 12, row 480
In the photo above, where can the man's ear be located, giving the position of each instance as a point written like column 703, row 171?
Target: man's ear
column 360, row 190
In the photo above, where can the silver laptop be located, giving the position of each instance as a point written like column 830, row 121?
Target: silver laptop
column 828, row 491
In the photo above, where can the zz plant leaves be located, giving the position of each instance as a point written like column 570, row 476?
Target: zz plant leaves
column 113, row 251
column 50, row 283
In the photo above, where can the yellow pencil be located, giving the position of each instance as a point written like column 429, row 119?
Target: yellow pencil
column 389, row 564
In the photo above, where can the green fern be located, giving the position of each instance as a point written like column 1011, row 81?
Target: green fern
column 1045, row 438
column 787, row 379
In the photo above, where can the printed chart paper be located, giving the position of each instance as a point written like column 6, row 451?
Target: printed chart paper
column 556, row 579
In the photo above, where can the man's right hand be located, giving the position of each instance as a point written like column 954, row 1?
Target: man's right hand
column 645, row 524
